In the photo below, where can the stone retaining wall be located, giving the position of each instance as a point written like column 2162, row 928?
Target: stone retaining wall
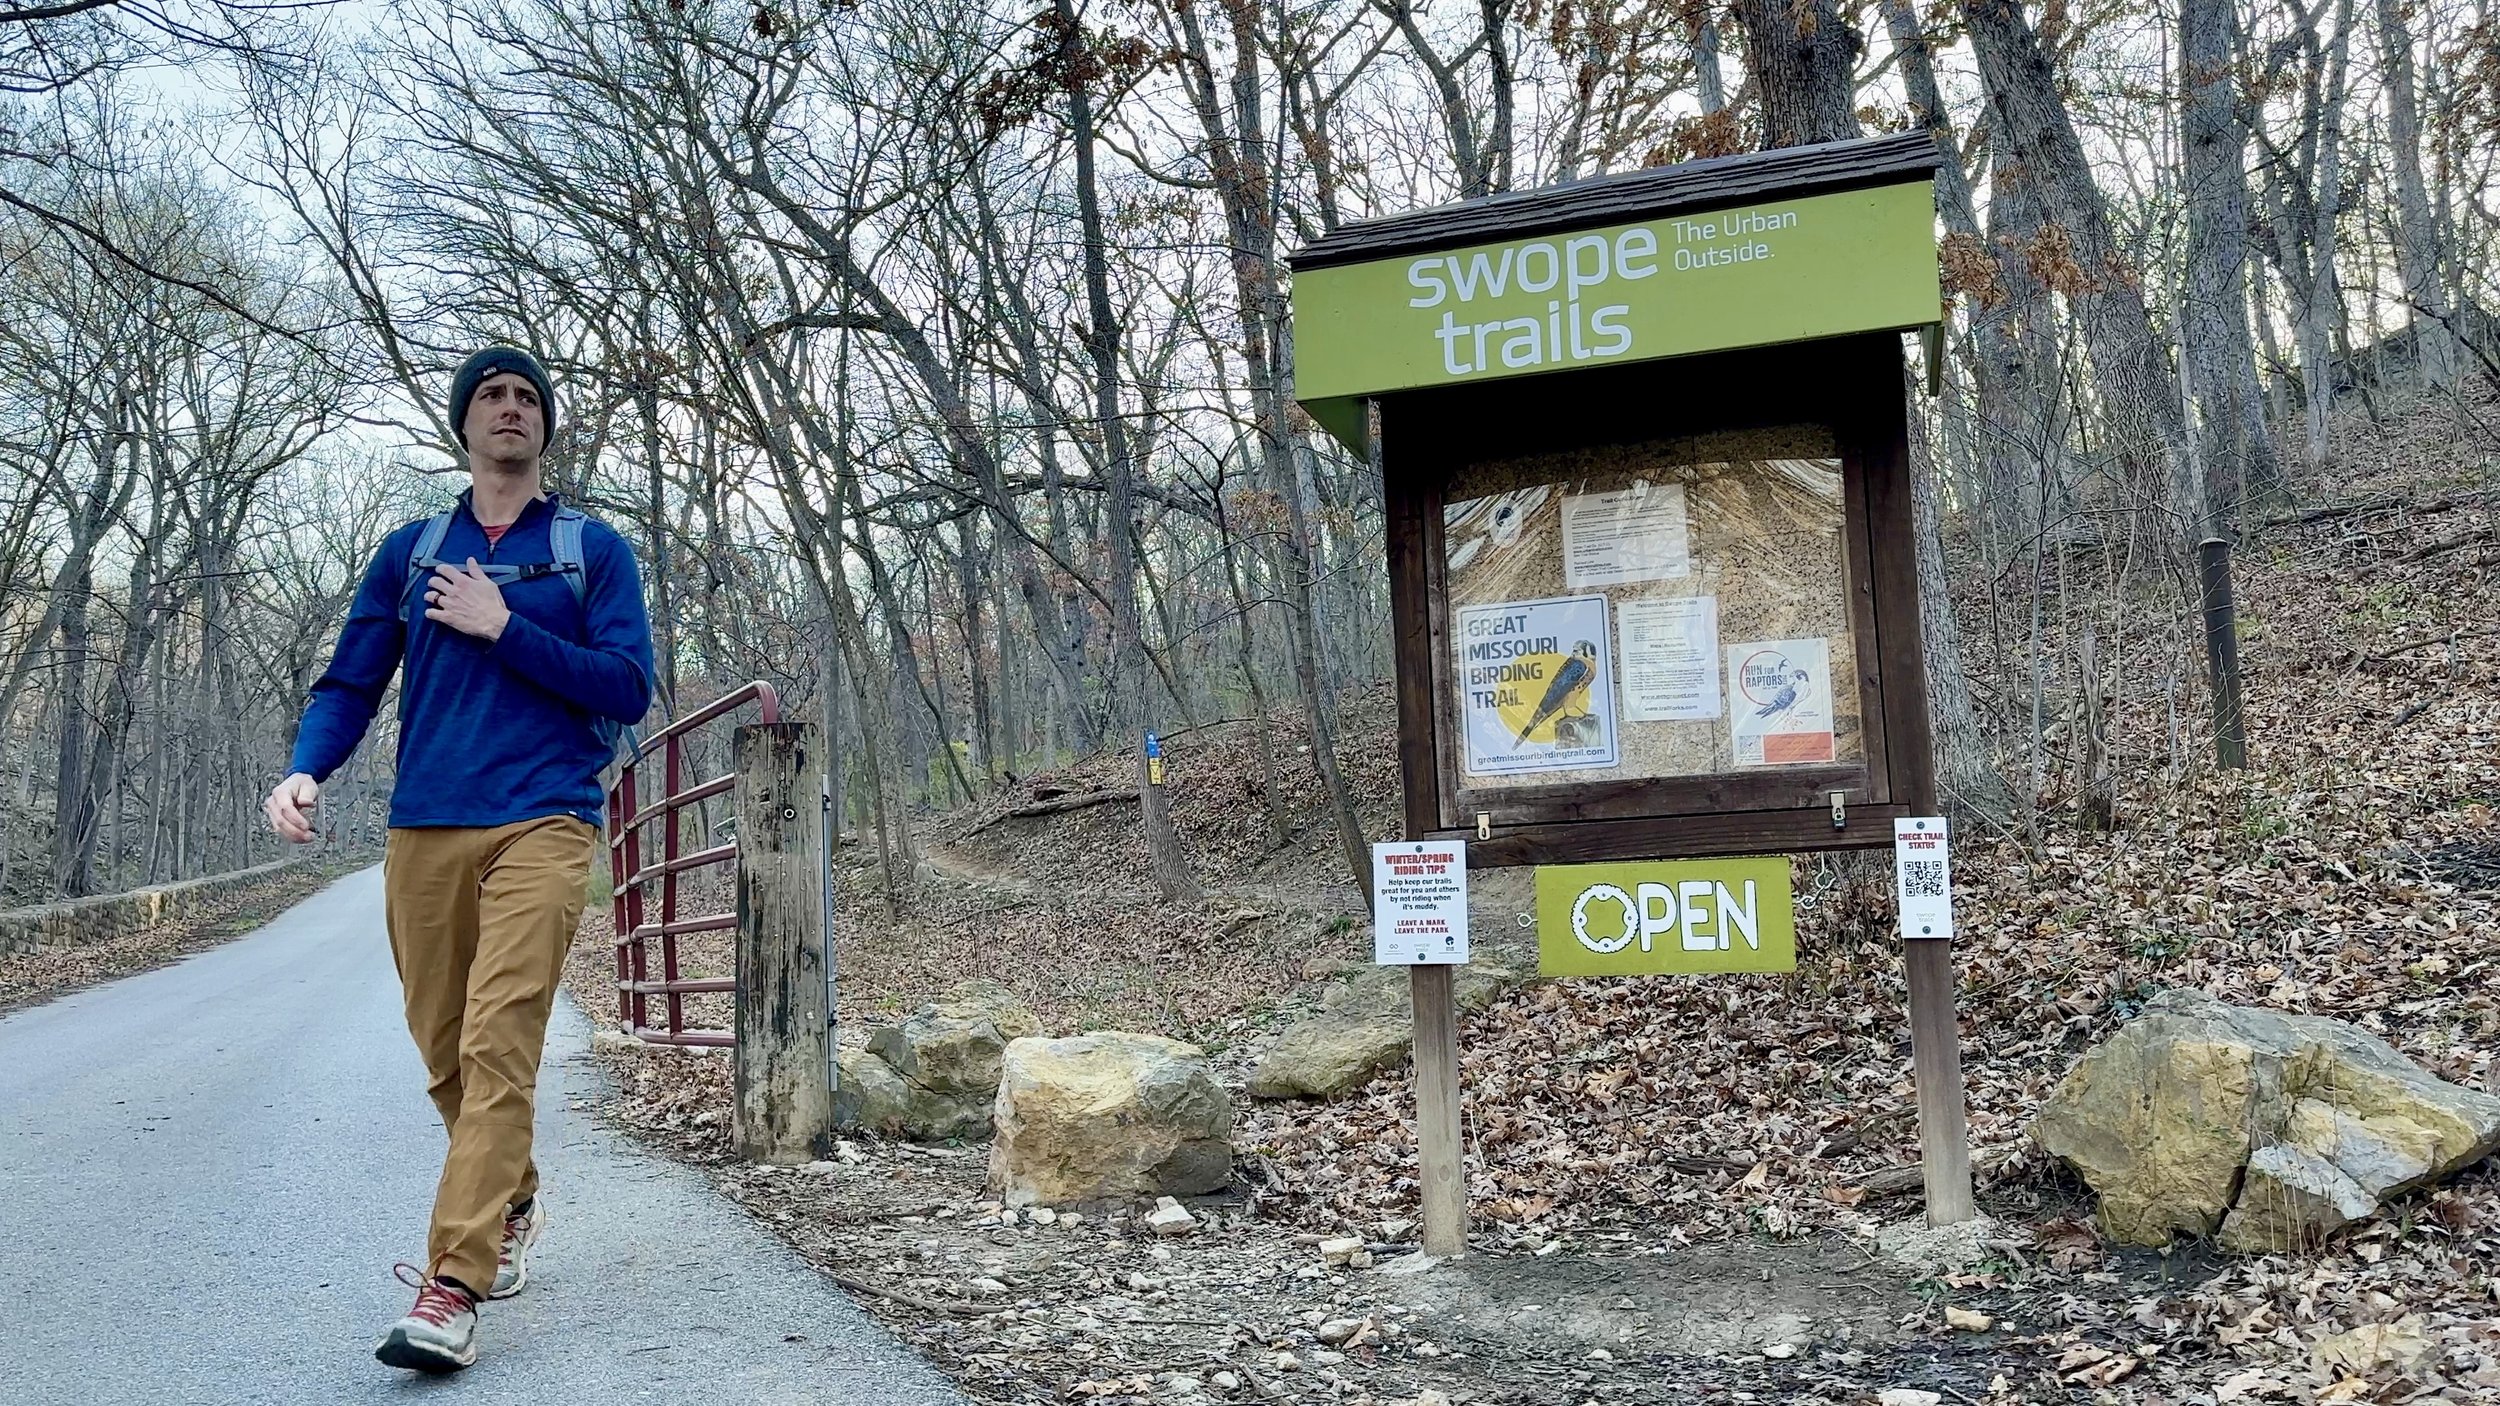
column 83, row 922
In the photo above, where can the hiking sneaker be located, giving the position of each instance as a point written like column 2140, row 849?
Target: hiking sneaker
column 520, row 1231
column 439, row 1334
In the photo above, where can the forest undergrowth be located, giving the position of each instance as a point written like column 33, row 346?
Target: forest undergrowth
column 2351, row 871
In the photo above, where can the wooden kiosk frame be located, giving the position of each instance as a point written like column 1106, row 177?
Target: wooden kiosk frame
column 1530, row 357
column 1806, row 344
column 1785, row 810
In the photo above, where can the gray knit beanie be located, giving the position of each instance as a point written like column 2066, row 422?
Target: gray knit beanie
column 494, row 361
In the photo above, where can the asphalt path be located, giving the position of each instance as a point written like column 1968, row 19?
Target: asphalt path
column 207, row 1172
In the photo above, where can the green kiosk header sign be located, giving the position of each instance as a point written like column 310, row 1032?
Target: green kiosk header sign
column 1782, row 270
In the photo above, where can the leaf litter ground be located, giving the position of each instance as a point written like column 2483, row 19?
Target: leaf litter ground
column 1677, row 1183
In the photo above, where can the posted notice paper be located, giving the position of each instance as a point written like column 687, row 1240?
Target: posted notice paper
column 1419, row 903
column 1670, row 652
column 1779, row 702
column 1631, row 534
column 1536, row 686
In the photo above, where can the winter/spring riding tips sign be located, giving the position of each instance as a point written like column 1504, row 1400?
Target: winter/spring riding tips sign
column 1419, row 903
column 1630, row 919
column 1536, row 685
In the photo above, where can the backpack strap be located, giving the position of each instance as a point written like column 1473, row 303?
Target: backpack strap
column 421, row 558
column 564, row 544
column 564, row 534
column 564, row 540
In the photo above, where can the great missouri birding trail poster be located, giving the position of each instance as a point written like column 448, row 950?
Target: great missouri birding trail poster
column 1537, row 685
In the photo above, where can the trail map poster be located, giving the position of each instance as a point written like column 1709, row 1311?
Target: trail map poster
column 1536, row 685
column 1779, row 702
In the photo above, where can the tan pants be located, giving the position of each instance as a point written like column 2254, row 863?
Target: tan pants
column 480, row 919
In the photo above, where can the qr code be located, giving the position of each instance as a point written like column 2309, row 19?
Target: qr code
column 1922, row 878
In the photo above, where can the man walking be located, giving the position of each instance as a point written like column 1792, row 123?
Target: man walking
column 518, row 630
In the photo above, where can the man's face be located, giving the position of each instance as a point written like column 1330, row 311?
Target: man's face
column 505, row 420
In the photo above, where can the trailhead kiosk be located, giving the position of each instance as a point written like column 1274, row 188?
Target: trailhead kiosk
column 1643, row 441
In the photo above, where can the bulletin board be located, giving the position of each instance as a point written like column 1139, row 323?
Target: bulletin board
column 1635, row 612
column 1643, row 447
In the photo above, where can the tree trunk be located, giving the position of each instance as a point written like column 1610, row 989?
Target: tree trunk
column 2303, row 188
column 72, row 804
column 2221, row 364
column 970, row 593
column 1102, row 342
column 1803, row 57
column 1708, row 82
column 1249, row 195
column 1805, row 71
column 1967, row 770
column 2417, row 234
column 2139, row 394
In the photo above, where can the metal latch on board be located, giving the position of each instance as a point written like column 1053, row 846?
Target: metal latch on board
column 1484, row 825
column 1840, row 810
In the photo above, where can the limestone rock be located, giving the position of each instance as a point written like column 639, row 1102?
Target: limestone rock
column 933, row 1077
column 954, row 1046
column 1109, row 1116
column 1362, row 1027
column 1324, row 1056
column 2270, row 1130
column 873, row 1097
column 1169, row 1218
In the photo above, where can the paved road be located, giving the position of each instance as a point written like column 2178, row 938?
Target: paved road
column 206, row 1173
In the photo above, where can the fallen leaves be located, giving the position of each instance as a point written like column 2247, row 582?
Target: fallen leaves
column 2355, row 871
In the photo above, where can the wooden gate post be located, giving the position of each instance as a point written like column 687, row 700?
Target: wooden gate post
column 784, row 1110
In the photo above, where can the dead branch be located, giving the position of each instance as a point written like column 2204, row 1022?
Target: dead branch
column 862, row 1286
column 2448, row 544
column 1055, row 807
column 2432, row 643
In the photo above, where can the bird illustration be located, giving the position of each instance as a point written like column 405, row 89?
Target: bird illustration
column 1571, row 682
column 1786, row 698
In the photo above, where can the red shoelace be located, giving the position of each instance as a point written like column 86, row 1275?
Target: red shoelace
column 437, row 1302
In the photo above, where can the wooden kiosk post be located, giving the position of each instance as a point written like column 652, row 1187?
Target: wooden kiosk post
column 1644, row 453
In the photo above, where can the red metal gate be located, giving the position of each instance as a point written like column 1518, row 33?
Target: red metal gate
column 636, row 924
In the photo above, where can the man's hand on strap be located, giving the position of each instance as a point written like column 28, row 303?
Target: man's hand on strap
column 464, row 599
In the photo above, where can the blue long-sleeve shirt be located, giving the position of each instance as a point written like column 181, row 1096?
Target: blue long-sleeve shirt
column 489, row 733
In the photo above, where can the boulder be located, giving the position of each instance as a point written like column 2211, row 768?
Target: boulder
column 1323, row 1057
column 2266, row 1130
column 874, row 1098
column 1362, row 1027
column 954, row 1046
column 933, row 1076
column 1109, row 1116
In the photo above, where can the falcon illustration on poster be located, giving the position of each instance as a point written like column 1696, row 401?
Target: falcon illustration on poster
column 1779, row 702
